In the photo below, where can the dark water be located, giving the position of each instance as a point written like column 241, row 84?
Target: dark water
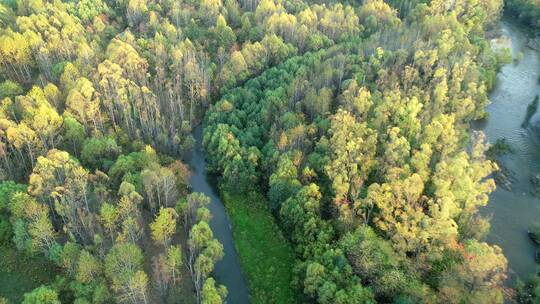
column 227, row 271
column 513, row 212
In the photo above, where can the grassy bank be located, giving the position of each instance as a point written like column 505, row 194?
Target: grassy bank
column 20, row 274
column 267, row 259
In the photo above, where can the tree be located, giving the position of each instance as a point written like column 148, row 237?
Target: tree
column 135, row 11
column 74, row 134
column 123, row 266
column 401, row 215
column 16, row 56
column 24, row 138
column 160, row 186
column 479, row 278
column 41, row 230
column 188, row 209
column 210, row 8
column 224, row 35
column 10, row 89
column 377, row 14
column 41, row 295
column 60, row 181
column 88, row 10
column 204, row 252
column 174, row 262
column 283, row 182
column 100, row 152
column 88, row 267
column 7, row 190
column 69, row 258
column 35, row 220
column 40, row 116
column 160, row 275
column 109, row 218
column 164, row 226
column 83, row 102
column 376, row 262
column 129, row 213
column 353, row 147
column 138, row 286
column 212, row 294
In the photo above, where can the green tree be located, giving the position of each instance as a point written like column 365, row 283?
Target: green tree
column 479, row 278
column 88, row 267
column 212, row 294
column 204, row 252
column 60, row 181
column 123, row 266
column 83, row 102
column 164, row 226
column 41, row 295
column 174, row 262
column 353, row 147
column 283, row 182
column 10, row 89
column 223, row 34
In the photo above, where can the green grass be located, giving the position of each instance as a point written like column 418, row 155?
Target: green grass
column 20, row 274
column 266, row 257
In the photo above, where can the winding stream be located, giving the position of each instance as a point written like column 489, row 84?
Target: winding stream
column 513, row 212
column 227, row 271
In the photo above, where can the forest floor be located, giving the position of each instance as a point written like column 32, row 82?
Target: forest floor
column 20, row 274
column 266, row 257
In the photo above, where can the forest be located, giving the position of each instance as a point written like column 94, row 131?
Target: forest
column 337, row 134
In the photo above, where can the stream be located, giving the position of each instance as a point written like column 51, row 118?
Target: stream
column 227, row 271
column 513, row 212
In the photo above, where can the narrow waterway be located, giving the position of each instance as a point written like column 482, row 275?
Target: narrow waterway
column 227, row 271
column 513, row 212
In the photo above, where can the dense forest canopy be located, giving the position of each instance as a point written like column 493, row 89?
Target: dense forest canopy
column 350, row 118
column 361, row 148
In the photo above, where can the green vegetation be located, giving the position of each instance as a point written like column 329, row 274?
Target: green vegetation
column 534, row 233
column 527, row 11
column 363, row 158
column 265, row 255
column 531, row 109
column 351, row 118
column 20, row 274
column 499, row 148
column 528, row 292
